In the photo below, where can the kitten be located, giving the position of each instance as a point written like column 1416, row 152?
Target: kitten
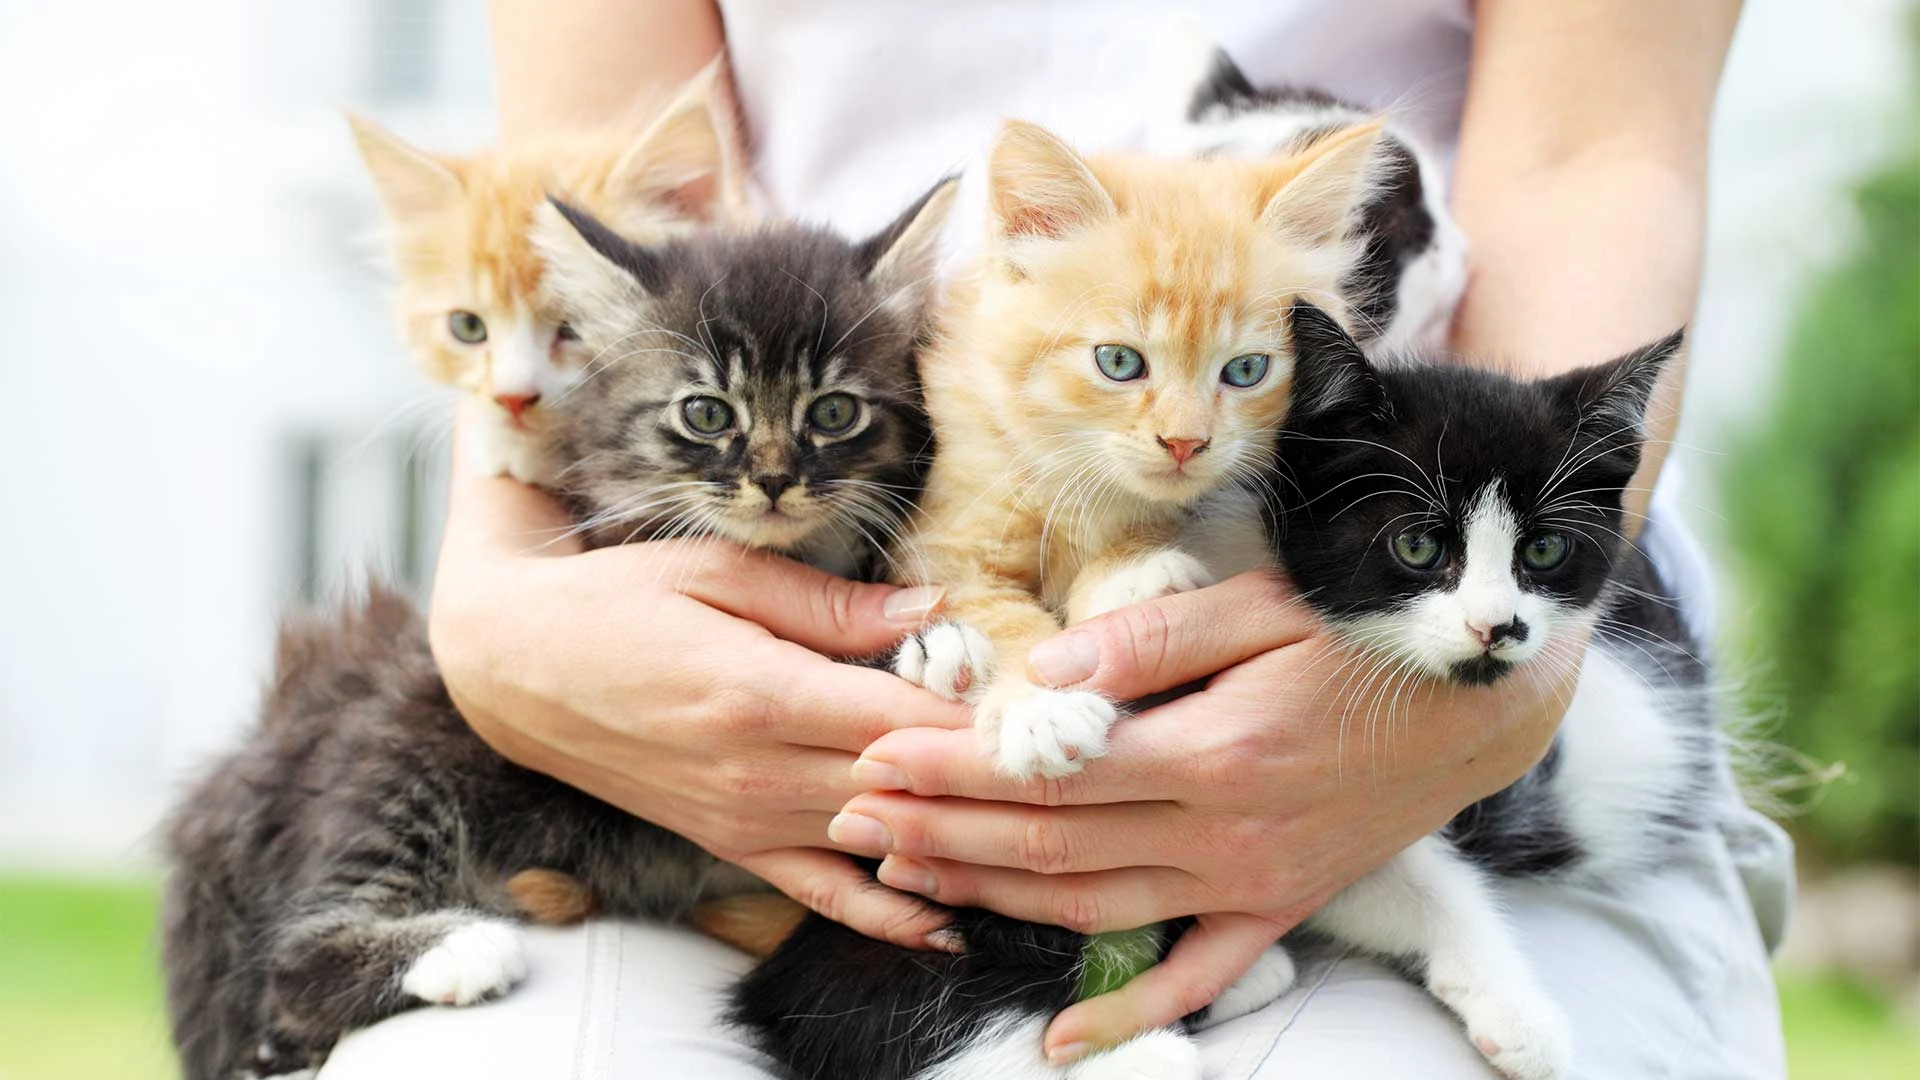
column 1120, row 353
column 469, row 297
column 357, row 855
column 1466, row 526
column 1414, row 268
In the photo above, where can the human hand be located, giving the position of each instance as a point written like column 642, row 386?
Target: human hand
column 1298, row 768
column 682, row 681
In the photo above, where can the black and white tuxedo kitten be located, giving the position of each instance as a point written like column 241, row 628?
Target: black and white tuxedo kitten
column 353, row 857
column 1463, row 526
column 1413, row 267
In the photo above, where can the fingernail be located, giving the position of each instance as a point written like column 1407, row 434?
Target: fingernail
column 878, row 776
column 947, row 940
column 906, row 875
column 1068, row 1054
column 859, row 832
column 1065, row 659
column 913, row 605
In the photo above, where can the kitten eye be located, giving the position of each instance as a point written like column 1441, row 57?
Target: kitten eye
column 468, row 327
column 1119, row 363
column 831, row 414
column 707, row 415
column 1245, row 371
column 1545, row 551
column 1418, row 550
column 566, row 332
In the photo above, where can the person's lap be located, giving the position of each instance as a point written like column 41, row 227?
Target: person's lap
column 1667, row 977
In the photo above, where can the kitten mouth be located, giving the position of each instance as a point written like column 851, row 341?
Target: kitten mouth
column 1483, row 670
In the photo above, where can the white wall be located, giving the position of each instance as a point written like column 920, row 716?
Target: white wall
column 181, row 287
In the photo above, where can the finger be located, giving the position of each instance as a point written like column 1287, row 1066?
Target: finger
column 846, row 707
column 497, row 515
column 838, row 889
column 1089, row 903
column 1044, row 840
column 828, row 614
column 1167, row 643
column 1214, row 952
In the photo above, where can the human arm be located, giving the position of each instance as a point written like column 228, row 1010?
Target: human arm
column 582, row 64
column 1581, row 183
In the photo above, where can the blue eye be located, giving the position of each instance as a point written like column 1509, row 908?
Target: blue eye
column 1546, row 551
column 1418, row 550
column 1119, row 363
column 1245, row 371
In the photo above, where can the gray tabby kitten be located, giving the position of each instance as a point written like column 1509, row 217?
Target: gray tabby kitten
column 351, row 858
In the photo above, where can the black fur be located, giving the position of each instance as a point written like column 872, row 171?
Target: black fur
column 362, row 819
column 1394, row 225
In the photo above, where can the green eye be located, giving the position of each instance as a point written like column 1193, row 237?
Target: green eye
column 1119, row 363
column 1418, row 550
column 707, row 415
column 831, row 414
column 1245, row 371
column 1545, row 551
column 468, row 327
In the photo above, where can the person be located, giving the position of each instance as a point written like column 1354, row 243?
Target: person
column 689, row 685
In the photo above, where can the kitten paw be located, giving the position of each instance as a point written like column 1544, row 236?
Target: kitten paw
column 1156, row 1055
column 1050, row 733
column 1162, row 573
column 474, row 962
column 1520, row 1032
column 1270, row 976
column 948, row 658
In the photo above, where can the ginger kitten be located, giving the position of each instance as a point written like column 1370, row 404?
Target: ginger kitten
column 1120, row 352
column 470, row 301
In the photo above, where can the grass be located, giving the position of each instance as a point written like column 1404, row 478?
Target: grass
column 80, row 995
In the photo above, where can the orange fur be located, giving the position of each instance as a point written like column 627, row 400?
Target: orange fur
column 754, row 923
column 551, row 898
column 460, row 230
column 1049, row 476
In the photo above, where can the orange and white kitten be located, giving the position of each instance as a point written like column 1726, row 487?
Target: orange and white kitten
column 1120, row 352
column 470, row 300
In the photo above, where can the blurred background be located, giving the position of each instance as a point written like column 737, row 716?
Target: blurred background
column 217, row 421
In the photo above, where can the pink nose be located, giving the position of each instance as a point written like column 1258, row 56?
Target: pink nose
column 1183, row 450
column 517, row 404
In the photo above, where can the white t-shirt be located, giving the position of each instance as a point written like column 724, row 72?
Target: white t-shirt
column 856, row 107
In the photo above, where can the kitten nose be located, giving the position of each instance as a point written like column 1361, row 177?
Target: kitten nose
column 1513, row 630
column 516, row 404
column 773, row 484
column 1183, row 450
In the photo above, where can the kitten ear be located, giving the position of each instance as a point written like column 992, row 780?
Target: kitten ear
column 412, row 184
column 1323, row 187
column 692, row 156
column 901, row 258
column 1039, row 188
column 1331, row 376
column 1615, row 395
column 592, row 273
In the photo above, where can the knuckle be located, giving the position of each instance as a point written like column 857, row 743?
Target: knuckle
column 1243, row 839
column 1061, row 791
column 1044, row 847
column 842, row 605
column 1234, row 762
column 1200, row 991
column 821, row 895
column 1148, row 636
column 743, row 712
column 1081, row 911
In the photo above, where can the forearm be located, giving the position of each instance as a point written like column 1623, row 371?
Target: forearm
column 1581, row 185
column 582, row 64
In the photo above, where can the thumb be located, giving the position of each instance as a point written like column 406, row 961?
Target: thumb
column 1214, row 952
column 1167, row 643
column 809, row 607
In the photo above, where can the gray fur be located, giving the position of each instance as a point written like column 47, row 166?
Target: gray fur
column 362, row 820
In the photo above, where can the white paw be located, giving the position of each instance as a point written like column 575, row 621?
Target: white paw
column 1042, row 732
column 1156, row 1055
column 1162, row 573
column 1517, row 1029
column 1270, row 976
column 947, row 658
column 479, row 960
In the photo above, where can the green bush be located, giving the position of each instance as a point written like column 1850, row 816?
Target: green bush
column 1823, row 512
